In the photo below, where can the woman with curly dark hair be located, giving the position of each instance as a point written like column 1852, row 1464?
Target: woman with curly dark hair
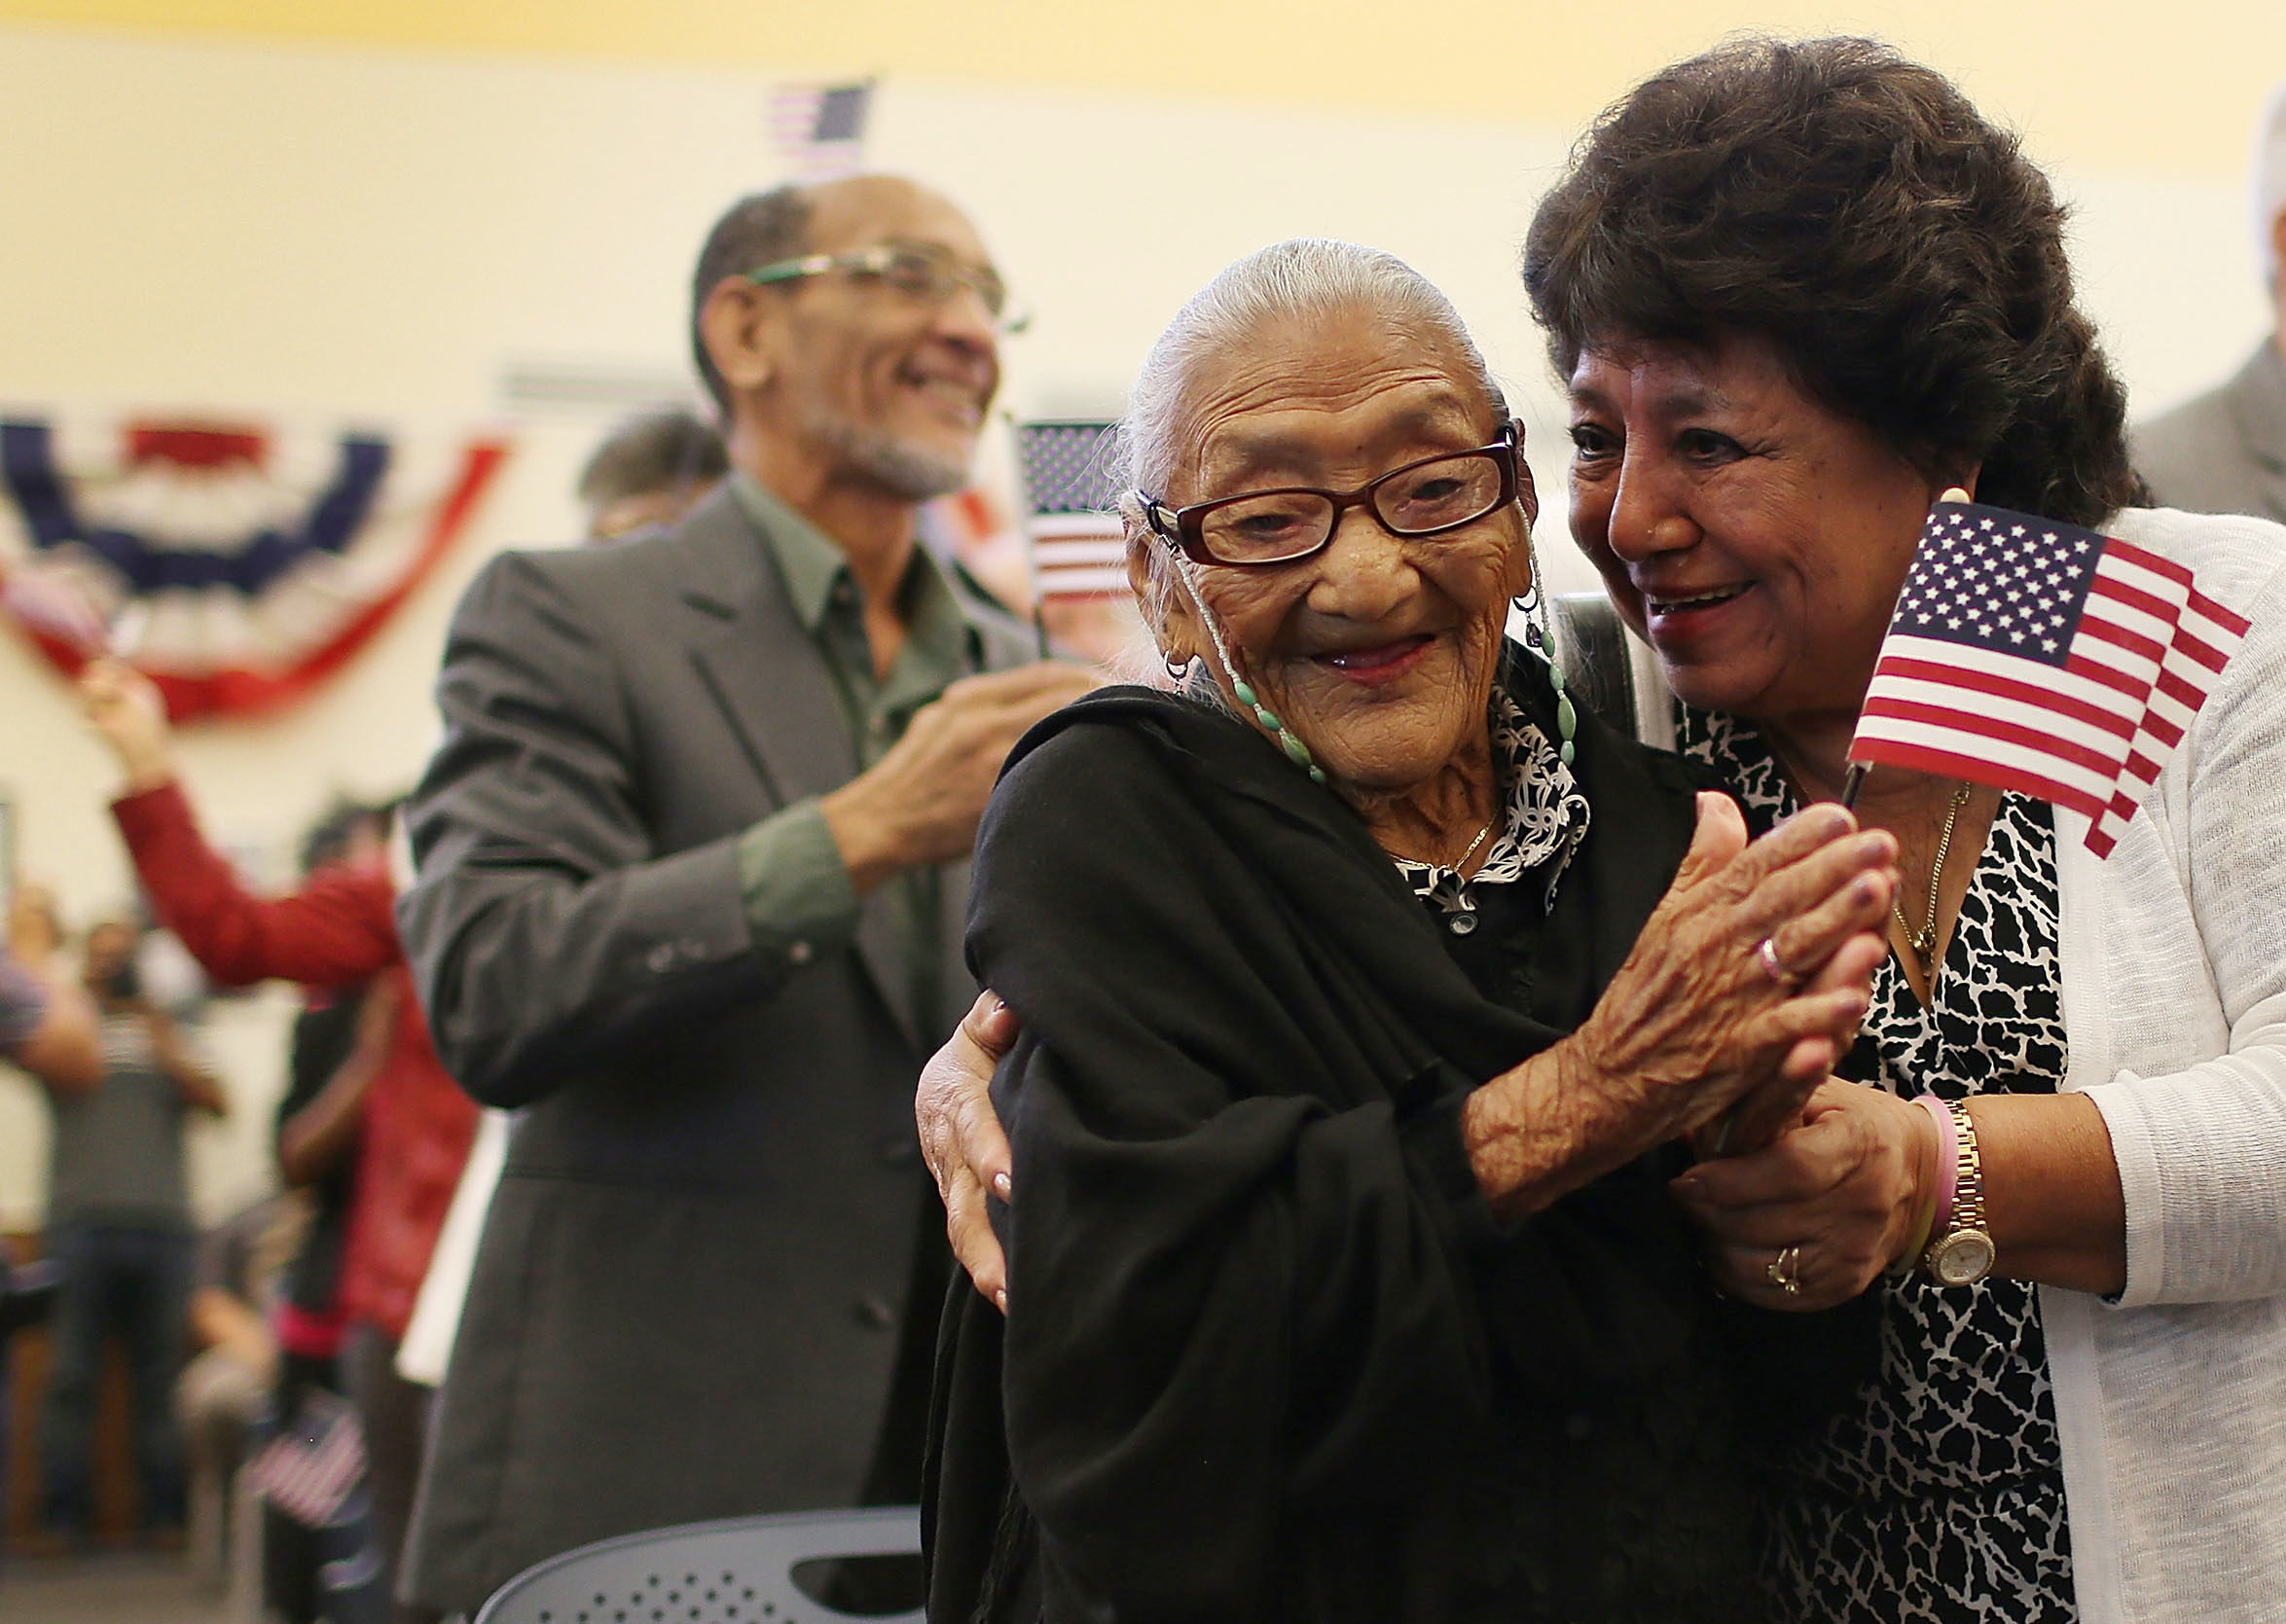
column 1799, row 290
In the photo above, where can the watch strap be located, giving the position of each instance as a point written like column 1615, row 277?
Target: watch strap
column 1961, row 1231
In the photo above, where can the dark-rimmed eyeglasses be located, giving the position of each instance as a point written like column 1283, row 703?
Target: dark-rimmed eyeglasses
column 1291, row 524
column 927, row 276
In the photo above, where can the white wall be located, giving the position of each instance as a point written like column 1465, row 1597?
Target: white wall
column 325, row 230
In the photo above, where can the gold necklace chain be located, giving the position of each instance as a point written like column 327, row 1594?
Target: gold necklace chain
column 1924, row 940
column 1461, row 862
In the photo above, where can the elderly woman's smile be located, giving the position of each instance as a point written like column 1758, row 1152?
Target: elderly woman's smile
column 1379, row 651
column 1378, row 664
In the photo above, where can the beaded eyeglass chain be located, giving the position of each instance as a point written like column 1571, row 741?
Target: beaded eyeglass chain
column 1533, row 604
column 1242, row 690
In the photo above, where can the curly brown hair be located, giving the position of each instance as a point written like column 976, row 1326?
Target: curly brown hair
column 1851, row 205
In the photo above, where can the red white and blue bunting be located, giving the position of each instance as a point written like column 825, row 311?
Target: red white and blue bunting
column 235, row 566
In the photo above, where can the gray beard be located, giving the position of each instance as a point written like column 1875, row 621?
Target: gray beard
column 903, row 470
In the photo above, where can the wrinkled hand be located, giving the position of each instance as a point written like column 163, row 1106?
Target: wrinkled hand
column 921, row 801
column 1847, row 1187
column 130, row 716
column 1694, row 1022
column 963, row 1141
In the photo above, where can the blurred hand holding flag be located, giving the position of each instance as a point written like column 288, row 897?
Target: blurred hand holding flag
column 2040, row 657
column 1069, row 511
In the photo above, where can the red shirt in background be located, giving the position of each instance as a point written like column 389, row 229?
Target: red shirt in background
column 339, row 929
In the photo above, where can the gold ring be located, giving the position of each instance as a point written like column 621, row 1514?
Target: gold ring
column 1772, row 965
column 1785, row 1271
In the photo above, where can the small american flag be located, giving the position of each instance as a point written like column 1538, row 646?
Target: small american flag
column 819, row 129
column 1077, row 548
column 310, row 1469
column 2040, row 656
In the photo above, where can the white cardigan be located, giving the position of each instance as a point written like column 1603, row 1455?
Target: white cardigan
column 2171, row 1401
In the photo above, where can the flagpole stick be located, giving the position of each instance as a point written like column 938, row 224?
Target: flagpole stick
column 1854, row 780
column 1040, row 625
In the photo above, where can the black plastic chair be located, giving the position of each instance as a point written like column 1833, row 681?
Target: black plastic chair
column 736, row 1571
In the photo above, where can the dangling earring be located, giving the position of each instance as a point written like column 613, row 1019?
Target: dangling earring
column 1177, row 670
column 1533, row 604
column 1295, row 750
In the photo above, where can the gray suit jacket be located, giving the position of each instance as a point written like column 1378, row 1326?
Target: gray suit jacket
column 2223, row 451
column 688, row 1295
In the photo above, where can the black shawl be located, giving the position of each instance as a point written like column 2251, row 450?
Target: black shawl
column 1269, row 1354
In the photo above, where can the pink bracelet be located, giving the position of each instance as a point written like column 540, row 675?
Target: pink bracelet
column 1948, row 1160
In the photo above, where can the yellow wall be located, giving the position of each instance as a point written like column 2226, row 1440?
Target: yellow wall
column 2100, row 83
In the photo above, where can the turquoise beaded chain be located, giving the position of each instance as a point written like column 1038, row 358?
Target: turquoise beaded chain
column 1295, row 750
column 1566, row 718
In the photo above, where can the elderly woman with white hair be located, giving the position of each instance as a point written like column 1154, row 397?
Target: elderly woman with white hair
column 1345, row 1283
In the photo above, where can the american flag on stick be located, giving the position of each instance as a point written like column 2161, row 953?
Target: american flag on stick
column 2040, row 656
column 819, row 129
column 1071, row 518
column 310, row 1470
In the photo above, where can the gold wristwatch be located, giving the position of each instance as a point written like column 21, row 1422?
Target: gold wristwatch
column 1962, row 1254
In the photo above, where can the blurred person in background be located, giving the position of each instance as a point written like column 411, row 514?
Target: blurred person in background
column 47, row 1022
column 341, row 1040
column 649, row 471
column 2225, row 450
column 412, row 1124
column 48, row 1027
column 119, row 1226
column 226, row 1387
column 690, row 882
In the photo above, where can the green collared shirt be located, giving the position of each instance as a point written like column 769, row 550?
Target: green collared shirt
column 798, row 898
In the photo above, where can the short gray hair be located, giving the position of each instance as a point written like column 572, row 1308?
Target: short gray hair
column 758, row 229
column 1305, row 277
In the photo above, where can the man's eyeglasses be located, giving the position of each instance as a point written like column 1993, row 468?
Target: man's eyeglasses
column 925, row 275
column 1283, row 526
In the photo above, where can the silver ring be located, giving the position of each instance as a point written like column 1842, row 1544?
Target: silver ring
column 1773, row 966
column 1785, row 1271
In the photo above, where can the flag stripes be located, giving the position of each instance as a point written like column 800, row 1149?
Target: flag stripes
column 2043, row 658
column 819, row 129
column 1079, row 548
column 310, row 1471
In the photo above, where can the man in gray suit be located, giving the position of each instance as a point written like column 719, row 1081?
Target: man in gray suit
column 692, row 877
column 2225, row 451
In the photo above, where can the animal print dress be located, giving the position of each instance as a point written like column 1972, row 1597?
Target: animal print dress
column 1939, row 1496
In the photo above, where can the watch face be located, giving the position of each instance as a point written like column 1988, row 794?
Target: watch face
column 1963, row 1258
